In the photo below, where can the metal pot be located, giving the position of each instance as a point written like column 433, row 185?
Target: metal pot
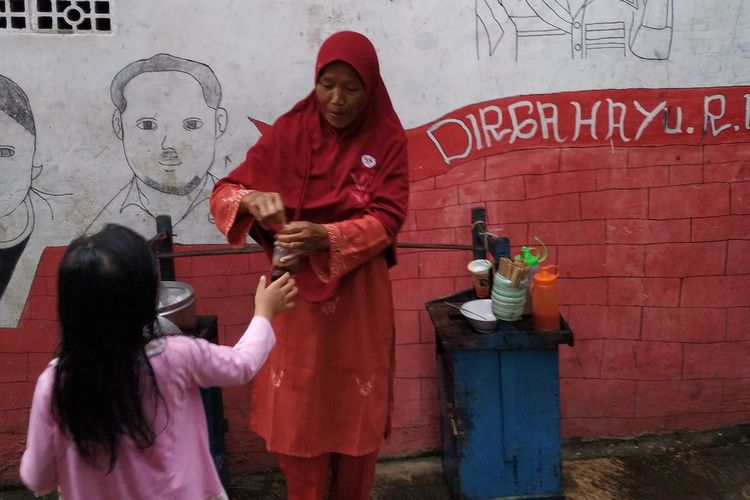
column 177, row 304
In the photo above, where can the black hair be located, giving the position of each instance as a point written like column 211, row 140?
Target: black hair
column 202, row 73
column 15, row 103
column 107, row 293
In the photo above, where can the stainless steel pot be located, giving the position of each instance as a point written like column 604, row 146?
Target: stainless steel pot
column 177, row 304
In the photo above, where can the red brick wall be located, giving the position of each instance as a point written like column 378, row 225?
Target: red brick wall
column 24, row 352
column 650, row 244
column 653, row 245
column 649, row 221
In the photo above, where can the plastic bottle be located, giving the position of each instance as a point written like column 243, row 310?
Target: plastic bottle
column 546, row 299
column 276, row 271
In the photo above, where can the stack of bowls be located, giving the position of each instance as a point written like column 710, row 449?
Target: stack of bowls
column 507, row 300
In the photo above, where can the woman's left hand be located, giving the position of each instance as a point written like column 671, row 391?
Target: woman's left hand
column 301, row 238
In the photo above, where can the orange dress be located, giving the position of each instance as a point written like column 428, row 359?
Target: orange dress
column 327, row 385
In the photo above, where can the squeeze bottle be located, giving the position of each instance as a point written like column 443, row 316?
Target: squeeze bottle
column 546, row 299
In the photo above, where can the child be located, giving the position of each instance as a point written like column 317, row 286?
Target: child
column 118, row 414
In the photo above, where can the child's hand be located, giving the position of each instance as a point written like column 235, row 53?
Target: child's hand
column 275, row 298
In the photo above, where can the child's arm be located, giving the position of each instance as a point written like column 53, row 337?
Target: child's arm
column 215, row 365
column 276, row 297
column 38, row 461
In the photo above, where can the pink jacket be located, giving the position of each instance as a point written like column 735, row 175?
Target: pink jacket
column 179, row 464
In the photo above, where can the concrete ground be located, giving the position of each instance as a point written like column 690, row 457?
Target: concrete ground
column 711, row 465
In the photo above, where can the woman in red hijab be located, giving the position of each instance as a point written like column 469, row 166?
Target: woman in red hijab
column 328, row 183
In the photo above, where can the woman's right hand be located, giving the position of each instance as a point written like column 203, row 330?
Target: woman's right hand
column 275, row 298
column 267, row 208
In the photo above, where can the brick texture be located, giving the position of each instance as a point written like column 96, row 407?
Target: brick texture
column 582, row 361
column 605, row 322
column 615, row 204
column 697, row 200
column 667, row 155
column 637, row 360
column 676, row 397
column 685, row 324
column 686, row 174
column 721, row 228
column 717, row 360
column 727, row 172
column 647, row 231
column 686, row 259
column 594, row 397
column 738, row 323
column 738, row 257
column 741, row 198
column 628, row 178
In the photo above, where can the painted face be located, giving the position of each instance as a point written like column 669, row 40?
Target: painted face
column 168, row 131
column 341, row 94
column 16, row 159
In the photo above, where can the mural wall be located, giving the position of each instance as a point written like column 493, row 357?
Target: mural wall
column 615, row 130
column 162, row 152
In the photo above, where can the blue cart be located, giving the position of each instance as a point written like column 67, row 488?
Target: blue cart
column 500, row 405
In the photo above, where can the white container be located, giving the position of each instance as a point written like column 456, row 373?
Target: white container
column 479, row 315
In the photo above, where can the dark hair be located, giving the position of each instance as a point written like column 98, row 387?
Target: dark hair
column 15, row 103
column 107, row 292
column 166, row 62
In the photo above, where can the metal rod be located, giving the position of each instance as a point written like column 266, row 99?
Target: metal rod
column 438, row 246
column 259, row 249
column 215, row 251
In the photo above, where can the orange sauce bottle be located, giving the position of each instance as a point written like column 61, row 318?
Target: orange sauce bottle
column 546, row 299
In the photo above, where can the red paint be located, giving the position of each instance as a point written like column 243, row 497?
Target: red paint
column 640, row 117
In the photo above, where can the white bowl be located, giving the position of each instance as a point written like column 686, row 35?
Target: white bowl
column 479, row 315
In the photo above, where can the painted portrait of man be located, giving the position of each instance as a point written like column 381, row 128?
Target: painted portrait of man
column 22, row 204
column 168, row 117
column 17, row 145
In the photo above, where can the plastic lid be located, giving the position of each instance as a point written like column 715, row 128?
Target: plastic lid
column 529, row 258
column 530, row 255
column 547, row 274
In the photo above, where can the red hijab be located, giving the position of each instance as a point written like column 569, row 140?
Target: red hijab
column 327, row 175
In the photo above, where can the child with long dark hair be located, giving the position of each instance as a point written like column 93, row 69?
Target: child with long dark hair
column 118, row 413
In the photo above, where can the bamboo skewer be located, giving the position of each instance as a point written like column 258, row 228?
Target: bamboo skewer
column 513, row 271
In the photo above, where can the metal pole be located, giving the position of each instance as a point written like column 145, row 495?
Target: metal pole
column 253, row 248
column 164, row 244
column 478, row 231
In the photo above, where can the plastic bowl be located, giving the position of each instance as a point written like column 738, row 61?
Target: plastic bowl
column 499, row 298
column 479, row 315
column 507, row 313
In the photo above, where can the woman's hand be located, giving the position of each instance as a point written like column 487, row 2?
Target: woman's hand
column 267, row 208
column 301, row 238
